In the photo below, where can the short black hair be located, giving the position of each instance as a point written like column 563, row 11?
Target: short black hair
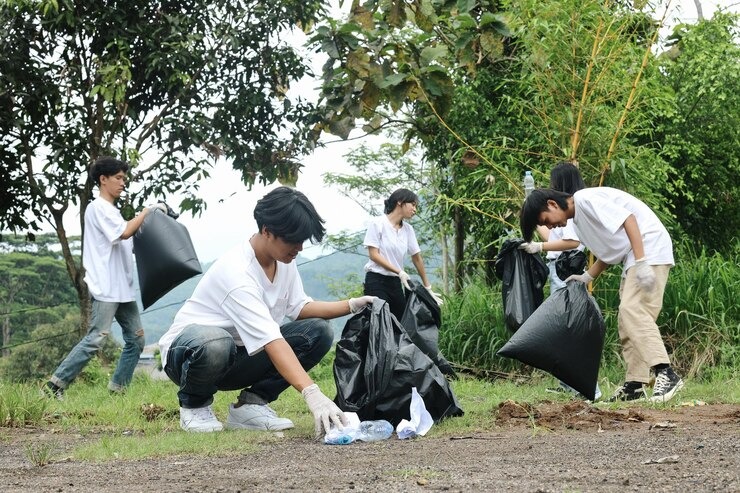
column 106, row 166
column 535, row 204
column 401, row 195
column 288, row 214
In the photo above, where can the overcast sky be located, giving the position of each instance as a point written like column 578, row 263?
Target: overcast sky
column 229, row 219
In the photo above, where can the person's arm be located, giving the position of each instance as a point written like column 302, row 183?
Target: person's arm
column 287, row 365
column 333, row 309
column 560, row 245
column 635, row 237
column 134, row 224
column 375, row 256
column 325, row 412
column 419, row 264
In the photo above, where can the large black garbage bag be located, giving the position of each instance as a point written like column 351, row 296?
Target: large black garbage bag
column 570, row 262
column 523, row 277
column 165, row 256
column 377, row 364
column 564, row 337
column 421, row 319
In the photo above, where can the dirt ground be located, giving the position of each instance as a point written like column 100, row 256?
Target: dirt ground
column 554, row 447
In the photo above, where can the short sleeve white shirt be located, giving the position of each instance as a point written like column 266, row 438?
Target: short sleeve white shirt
column 392, row 243
column 108, row 259
column 600, row 214
column 236, row 295
column 567, row 232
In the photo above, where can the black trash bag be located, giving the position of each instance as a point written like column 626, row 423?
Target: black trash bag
column 570, row 262
column 523, row 277
column 165, row 256
column 421, row 319
column 376, row 365
column 564, row 337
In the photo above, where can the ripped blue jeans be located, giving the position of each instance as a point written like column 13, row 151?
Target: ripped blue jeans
column 103, row 313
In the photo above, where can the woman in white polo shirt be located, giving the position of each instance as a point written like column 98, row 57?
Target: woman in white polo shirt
column 388, row 239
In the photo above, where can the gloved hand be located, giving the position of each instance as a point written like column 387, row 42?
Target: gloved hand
column 585, row 278
column 162, row 206
column 159, row 205
column 404, row 279
column 357, row 304
column 324, row 411
column 644, row 275
column 532, row 247
column 435, row 296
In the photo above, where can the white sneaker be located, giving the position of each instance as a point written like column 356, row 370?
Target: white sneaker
column 256, row 417
column 200, row 419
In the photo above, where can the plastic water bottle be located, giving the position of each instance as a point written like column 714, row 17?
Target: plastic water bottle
column 371, row 431
column 528, row 183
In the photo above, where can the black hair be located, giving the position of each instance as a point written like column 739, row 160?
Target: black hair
column 565, row 177
column 106, row 166
column 535, row 204
column 288, row 214
column 401, row 195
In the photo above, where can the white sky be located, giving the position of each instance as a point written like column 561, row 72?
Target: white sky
column 228, row 218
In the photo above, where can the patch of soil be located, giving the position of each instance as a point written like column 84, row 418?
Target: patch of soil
column 551, row 447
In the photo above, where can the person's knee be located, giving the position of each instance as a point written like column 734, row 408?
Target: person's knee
column 324, row 335
column 140, row 340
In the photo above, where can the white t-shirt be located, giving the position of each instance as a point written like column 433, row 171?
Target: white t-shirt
column 599, row 218
column 108, row 260
column 567, row 232
column 393, row 243
column 236, row 295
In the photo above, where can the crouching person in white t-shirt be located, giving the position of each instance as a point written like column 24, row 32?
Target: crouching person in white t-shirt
column 620, row 229
column 228, row 336
column 107, row 256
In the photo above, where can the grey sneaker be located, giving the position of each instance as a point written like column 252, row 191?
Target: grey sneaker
column 256, row 417
column 667, row 383
column 200, row 419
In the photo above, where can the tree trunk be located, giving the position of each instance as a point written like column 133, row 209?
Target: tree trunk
column 699, row 13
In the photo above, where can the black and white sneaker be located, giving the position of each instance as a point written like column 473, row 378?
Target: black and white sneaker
column 628, row 391
column 667, row 383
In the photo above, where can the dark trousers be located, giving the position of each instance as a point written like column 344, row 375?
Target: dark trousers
column 387, row 288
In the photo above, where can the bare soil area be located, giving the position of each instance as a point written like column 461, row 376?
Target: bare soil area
column 553, row 447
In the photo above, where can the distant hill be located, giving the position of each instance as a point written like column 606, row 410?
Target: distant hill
column 320, row 277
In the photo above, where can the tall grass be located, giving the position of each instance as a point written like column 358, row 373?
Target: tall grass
column 473, row 329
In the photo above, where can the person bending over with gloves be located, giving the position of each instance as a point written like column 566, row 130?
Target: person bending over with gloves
column 227, row 335
column 619, row 228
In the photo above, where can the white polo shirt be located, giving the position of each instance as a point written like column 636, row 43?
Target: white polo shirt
column 393, row 243
column 600, row 214
column 108, row 260
column 236, row 295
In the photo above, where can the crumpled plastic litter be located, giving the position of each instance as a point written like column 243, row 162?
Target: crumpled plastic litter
column 421, row 421
column 346, row 435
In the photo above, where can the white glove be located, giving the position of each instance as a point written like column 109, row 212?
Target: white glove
column 404, row 279
column 435, row 296
column 644, row 275
column 159, row 205
column 325, row 412
column 585, row 278
column 357, row 304
column 533, row 247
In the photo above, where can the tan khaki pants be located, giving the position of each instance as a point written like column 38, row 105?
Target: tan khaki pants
column 642, row 344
